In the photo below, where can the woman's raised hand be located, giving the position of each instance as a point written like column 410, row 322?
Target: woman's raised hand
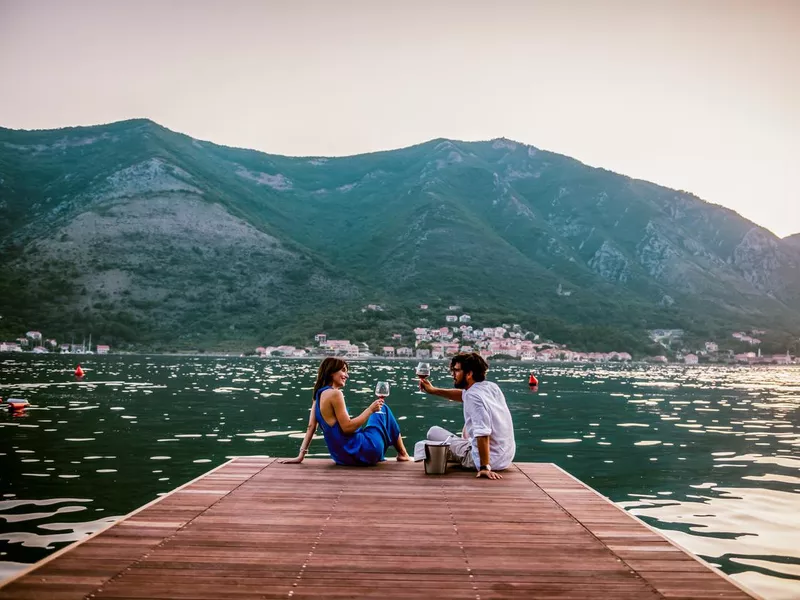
column 376, row 406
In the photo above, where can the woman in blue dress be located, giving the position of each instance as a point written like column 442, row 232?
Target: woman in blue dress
column 359, row 441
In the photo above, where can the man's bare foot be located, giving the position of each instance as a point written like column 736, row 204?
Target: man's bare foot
column 403, row 457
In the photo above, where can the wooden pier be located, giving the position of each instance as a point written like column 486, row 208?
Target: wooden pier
column 255, row 528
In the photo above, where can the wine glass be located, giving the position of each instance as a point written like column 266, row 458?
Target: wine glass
column 423, row 372
column 382, row 389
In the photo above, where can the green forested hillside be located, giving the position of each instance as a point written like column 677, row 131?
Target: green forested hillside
column 148, row 238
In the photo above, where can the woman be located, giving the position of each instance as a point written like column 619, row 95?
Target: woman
column 360, row 441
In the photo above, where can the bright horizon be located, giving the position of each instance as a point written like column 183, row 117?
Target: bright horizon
column 700, row 96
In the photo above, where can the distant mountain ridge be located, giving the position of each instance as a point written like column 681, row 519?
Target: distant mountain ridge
column 149, row 236
column 792, row 241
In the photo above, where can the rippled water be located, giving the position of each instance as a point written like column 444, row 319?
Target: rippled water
column 710, row 456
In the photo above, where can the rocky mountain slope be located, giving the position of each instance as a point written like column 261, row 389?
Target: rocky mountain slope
column 791, row 242
column 148, row 236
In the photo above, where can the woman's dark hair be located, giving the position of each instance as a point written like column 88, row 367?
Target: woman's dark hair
column 326, row 370
column 471, row 362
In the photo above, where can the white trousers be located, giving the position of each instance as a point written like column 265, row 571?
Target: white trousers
column 459, row 450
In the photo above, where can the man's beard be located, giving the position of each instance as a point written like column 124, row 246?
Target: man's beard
column 460, row 385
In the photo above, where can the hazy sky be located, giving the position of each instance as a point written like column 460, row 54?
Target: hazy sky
column 696, row 95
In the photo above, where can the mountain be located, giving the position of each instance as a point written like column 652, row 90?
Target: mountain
column 791, row 242
column 149, row 237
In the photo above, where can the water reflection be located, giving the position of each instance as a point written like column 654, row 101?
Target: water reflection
column 710, row 456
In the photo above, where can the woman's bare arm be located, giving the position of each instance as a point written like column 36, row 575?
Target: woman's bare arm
column 347, row 424
column 310, row 431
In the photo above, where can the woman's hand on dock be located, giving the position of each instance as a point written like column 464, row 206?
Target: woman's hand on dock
column 292, row 461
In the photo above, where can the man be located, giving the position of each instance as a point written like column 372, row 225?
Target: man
column 487, row 441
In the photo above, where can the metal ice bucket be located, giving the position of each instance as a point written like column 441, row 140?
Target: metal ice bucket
column 436, row 458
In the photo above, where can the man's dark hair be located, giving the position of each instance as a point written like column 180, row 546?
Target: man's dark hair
column 471, row 362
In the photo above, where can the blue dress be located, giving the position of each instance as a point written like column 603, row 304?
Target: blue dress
column 367, row 445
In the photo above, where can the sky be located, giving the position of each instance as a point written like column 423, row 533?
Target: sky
column 699, row 95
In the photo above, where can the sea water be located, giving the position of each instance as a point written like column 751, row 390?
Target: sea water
column 710, row 456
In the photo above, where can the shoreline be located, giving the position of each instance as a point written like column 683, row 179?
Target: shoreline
column 405, row 359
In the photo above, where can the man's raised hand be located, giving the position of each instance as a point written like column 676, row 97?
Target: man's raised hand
column 426, row 386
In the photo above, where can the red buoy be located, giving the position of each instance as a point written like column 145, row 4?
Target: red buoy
column 532, row 380
column 17, row 405
column 79, row 371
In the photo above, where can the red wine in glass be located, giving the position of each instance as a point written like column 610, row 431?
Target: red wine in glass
column 423, row 372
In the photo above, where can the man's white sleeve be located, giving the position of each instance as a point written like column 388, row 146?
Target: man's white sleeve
column 481, row 420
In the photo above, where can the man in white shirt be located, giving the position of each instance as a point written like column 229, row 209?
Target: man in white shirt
column 488, row 437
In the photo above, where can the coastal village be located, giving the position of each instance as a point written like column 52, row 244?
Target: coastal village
column 710, row 352
column 508, row 340
column 457, row 334
column 435, row 343
column 34, row 342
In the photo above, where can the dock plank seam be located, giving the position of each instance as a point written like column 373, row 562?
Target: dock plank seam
column 120, row 574
column 321, row 531
column 585, row 528
column 461, row 543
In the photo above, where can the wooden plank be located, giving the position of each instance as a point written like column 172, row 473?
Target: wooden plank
column 255, row 528
column 107, row 560
column 651, row 554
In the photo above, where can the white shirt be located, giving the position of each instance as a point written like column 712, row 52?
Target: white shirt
column 486, row 413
